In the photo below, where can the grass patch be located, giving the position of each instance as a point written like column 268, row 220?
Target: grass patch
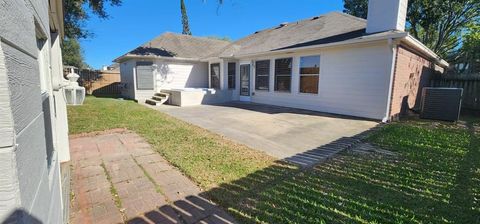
column 113, row 190
column 207, row 158
column 435, row 178
column 158, row 189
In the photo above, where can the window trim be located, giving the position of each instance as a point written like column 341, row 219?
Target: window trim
column 300, row 74
column 232, row 75
column 249, row 71
column 145, row 64
column 42, row 58
column 264, row 75
column 219, row 75
column 275, row 75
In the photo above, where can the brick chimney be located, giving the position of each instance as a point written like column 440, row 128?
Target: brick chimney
column 386, row 15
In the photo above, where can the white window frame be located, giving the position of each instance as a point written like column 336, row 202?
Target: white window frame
column 219, row 75
column 42, row 58
column 283, row 75
column 300, row 74
column 264, row 75
column 234, row 76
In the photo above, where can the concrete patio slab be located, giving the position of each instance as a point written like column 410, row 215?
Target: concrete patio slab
column 279, row 131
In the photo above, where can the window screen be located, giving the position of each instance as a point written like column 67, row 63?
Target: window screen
column 283, row 74
column 309, row 74
column 262, row 74
column 231, row 75
column 215, row 76
column 145, row 76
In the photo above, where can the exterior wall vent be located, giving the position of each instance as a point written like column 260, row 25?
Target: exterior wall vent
column 441, row 103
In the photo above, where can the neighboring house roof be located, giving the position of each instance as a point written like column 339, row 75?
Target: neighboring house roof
column 331, row 27
column 172, row 45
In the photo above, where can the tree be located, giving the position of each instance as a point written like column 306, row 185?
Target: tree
column 72, row 53
column 468, row 56
column 356, row 8
column 75, row 18
column 76, row 15
column 186, row 27
column 436, row 23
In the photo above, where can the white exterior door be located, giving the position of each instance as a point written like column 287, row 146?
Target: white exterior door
column 245, row 92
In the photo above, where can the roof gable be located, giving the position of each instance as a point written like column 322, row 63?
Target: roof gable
column 179, row 46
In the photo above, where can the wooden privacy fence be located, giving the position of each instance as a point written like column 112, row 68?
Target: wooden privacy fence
column 470, row 85
column 101, row 83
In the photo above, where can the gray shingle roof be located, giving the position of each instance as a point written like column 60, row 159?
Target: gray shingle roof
column 180, row 46
column 334, row 24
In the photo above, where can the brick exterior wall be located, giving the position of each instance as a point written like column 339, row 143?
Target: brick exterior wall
column 412, row 73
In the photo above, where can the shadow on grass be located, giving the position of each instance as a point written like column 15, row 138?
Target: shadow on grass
column 435, row 179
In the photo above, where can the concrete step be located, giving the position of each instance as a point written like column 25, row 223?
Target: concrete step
column 316, row 156
column 165, row 95
column 159, row 98
column 152, row 102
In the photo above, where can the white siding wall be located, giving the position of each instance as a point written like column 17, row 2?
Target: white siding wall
column 127, row 79
column 354, row 81
column 177, row 75
column 29, row 191
column 170, row 75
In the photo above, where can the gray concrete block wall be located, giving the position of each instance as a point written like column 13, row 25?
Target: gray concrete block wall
column 29, row 190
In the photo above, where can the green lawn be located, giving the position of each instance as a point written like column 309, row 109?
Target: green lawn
column 205, row 157
column 434, row 179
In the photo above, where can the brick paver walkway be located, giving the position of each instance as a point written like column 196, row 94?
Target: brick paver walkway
column 118, row 178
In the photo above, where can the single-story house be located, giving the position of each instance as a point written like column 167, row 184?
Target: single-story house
column 334, row 63
column 170, row 61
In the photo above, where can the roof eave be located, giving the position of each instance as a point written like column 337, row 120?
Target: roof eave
column 131, row 56
column 403, row 35
column 320, row 46
column 56, row 17
column 412, row 41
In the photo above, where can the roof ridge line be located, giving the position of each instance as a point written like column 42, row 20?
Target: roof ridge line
column 193, row 37
column 350, row 16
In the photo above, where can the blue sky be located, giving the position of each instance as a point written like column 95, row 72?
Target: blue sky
column 138, row 21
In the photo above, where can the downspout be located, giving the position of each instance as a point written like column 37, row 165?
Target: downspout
column 58, row 81
column 393, row 48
